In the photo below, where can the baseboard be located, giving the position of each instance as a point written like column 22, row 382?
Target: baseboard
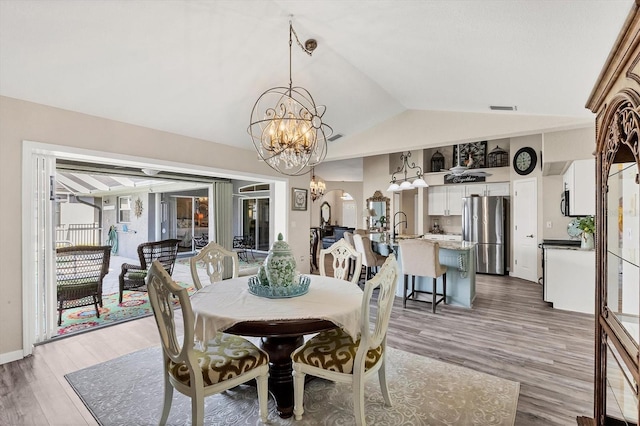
column 10, row 357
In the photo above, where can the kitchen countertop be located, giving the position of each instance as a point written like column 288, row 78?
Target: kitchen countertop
column 449, row 245
column 566, row 248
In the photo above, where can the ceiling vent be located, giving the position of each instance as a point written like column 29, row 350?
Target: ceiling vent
column 335, row 137
column 503, row 108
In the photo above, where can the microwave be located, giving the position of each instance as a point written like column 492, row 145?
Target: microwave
column 564, row 203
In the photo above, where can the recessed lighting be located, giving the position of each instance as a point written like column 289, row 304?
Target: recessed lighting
column 503, row 107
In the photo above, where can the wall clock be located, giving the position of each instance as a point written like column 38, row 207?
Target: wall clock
column 525, row 160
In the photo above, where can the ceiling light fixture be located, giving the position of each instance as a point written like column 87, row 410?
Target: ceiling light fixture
column 286, row 125
column 317, row 186
column 150, row 172
column 405, row 183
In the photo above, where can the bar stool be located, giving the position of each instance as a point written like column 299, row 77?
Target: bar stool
column 420, row 257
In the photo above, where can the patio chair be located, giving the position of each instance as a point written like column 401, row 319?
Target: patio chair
column 133, row 277
column 79, row 274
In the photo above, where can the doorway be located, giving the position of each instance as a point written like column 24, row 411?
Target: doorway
column 255, row 222
column 525, row 229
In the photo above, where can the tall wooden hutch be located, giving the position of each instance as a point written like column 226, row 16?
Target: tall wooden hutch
column 616, row 101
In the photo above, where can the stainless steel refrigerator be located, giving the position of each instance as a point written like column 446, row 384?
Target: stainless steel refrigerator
column 485, row 221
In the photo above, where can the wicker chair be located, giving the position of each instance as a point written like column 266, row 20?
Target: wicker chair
column 79, row 274
column 133, row 277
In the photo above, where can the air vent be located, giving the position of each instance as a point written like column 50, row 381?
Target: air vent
column 335, row 137
column 503, row 108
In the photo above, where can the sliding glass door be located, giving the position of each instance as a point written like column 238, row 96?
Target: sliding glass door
column 255, row 222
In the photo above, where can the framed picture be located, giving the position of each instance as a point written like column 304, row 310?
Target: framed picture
column 298, row 199
column 473, row 154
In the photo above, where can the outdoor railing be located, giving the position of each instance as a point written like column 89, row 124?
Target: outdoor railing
column 79, row 234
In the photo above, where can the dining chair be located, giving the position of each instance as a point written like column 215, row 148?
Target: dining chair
column 214, row 258
column 334, row 355
column 80, row 271
column 370, row 259
column 342, row 253
column 133, row 277
column 420, row 257
column 224, row 362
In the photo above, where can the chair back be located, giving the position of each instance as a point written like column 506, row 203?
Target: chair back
column 342, row 252
column 162, row 292
column 363, row 246
column 361, row 231
column 213, row 256
column 164, row 251
column 348, row 236
column 385, row 282
column 421, row 257
column 77, row 265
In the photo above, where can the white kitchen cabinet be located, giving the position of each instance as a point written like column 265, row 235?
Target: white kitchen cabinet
column 488, row 189
column 580, row 181
column 569, row 279
column 451, row 237
column 438, row 237
column 445, row 200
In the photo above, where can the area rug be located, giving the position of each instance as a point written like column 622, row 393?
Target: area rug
column 128, row 390
column 135, row 304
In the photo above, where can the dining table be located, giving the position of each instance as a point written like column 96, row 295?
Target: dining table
column 281, row 323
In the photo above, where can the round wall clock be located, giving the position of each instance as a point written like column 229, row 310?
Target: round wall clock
column 525, row 160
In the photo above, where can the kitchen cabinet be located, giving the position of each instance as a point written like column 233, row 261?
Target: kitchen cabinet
column 443, row 237
column 580, row 181
column 488, row 189
column 445, row 200
column 569, row 279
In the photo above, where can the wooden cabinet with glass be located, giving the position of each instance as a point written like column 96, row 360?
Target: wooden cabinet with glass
column 616, row 101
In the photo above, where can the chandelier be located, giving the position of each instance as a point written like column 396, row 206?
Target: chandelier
column 286, row 125
column 405, row 183
column 317, row 186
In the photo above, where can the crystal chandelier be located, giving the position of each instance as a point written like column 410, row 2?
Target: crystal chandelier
column 405, row 183
column 317, row 186
column 286, row 125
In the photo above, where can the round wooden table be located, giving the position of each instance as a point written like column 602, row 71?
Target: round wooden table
column 280, row 323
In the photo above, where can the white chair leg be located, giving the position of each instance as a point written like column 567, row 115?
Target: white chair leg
column 197, row 407
column 168, row 397
column 358, row 400
column 263, row 395
column 382, row 377
column 298, row 394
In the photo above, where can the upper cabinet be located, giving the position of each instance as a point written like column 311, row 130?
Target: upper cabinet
column 489, row 189
column 445, row 200
column 580, row 182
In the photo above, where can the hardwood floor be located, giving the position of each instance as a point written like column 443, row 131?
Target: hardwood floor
column 510, row 333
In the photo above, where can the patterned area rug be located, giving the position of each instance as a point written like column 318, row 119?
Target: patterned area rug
column 135, row 304
column 128, row 390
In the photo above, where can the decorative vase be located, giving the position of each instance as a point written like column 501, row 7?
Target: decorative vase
column 586, row 241
column 280, row 264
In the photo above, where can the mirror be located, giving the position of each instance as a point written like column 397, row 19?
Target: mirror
column 325, row 214
column 378, row 206
column 623, row 247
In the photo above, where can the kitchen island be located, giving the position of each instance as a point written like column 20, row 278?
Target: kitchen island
column 459, row 258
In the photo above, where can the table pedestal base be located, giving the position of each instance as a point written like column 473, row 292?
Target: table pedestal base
column 280, row 369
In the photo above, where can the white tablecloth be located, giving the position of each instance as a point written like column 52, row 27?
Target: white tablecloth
column 221, row 305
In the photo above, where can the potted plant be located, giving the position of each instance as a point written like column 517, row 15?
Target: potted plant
column 382, row 221
column 588, row 227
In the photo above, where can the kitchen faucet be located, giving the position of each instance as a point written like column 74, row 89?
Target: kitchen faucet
column 393, row 231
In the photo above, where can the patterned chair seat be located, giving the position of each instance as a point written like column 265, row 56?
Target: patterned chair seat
column 226, row 356
column 334, row 350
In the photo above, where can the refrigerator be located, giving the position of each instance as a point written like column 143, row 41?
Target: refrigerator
column 485, row 221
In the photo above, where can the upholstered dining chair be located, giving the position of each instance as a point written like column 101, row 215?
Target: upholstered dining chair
column 133, row 277
column 420, row 257
column 370, row 259
column 213, row 256
column 336, row 356
column 80, row 271
column 342, row 253
column 224, row 362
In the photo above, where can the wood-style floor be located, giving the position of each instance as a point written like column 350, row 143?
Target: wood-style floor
column 510, row 333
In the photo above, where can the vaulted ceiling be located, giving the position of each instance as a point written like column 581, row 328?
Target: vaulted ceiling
column 196, row 68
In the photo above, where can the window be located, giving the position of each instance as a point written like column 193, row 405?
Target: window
column 124, row 209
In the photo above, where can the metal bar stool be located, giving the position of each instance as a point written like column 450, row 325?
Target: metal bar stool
column 420, row 257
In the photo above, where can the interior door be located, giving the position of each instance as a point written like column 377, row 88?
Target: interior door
column 525, row 229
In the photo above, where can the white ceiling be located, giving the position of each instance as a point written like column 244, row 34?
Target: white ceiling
column 196, row 67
